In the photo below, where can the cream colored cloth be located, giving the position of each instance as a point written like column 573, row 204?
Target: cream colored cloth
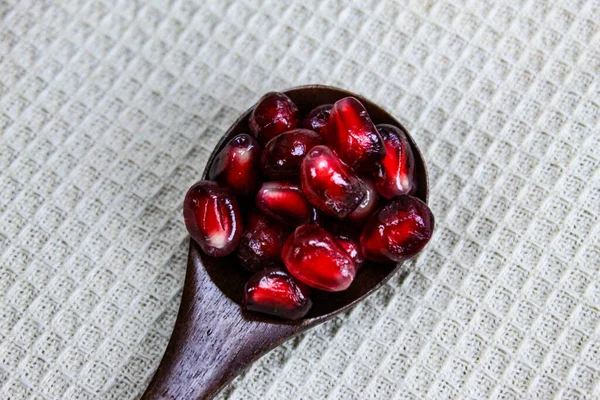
column 109, row 109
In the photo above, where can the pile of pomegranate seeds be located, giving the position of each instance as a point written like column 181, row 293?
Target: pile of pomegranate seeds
column 324, row 193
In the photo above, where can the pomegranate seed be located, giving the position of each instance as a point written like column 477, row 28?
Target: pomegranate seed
column 261, row 243
column 284, row 153
column 274, row 292
column 212, row 218
column 352, row 135
column 275, row 113
column 236, row 166
column 329, row 184
column 352, row 247
column 367, row 206
column 313, row 256
column 397, row 231
column 284, row 202
column 396, row 173
column 316, row 120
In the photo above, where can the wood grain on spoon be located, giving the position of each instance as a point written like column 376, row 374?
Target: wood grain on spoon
column 213, row 339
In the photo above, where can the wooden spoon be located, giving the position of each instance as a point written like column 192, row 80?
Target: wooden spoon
column 213, row 339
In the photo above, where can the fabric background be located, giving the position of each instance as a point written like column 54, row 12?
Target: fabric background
column 109, row 109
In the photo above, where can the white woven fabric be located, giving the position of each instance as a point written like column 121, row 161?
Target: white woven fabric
column 109, row 109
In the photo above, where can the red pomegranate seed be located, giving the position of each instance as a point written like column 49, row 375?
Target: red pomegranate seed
column 313, row 256
column 261, row 243
column 316, row 120
column 284, row 202
column 329, row 184
column 274, row 292
column 212, row 218
column 367, row 206
column 352, row 247
column 396, row 173
column 397, row 231
column 284, row 153
column 236, row 166
column 275, row 113
column 352, row 135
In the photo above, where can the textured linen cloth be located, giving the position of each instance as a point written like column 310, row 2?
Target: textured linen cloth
column 109, row 109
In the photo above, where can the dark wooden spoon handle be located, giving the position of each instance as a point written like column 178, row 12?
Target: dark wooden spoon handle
column 212, row 342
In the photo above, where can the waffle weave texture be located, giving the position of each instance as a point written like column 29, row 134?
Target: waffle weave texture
column 110, row 108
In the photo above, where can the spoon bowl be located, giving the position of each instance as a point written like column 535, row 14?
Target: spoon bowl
column 214, row 339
